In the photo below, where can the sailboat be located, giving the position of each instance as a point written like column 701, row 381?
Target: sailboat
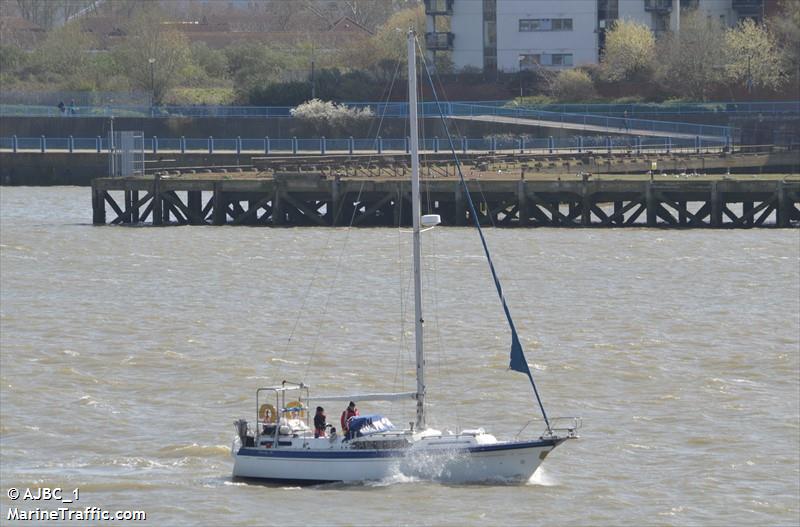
column 281, row 446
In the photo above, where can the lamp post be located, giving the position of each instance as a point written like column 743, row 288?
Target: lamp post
column 152, row 63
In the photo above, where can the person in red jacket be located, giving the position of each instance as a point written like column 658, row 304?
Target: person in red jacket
column 350, row 411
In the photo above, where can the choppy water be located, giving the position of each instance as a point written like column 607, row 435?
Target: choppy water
column 128, row 352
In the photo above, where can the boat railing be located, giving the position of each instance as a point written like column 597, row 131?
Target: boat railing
column 564, row 427
column 559, row 427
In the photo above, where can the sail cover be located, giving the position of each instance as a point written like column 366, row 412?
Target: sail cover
column 364, row 425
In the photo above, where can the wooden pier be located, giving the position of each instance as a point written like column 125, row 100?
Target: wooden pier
column 317, row 199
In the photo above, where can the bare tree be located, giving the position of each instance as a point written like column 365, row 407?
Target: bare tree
column 153, row 56
column 693, row 61
column 50, row 13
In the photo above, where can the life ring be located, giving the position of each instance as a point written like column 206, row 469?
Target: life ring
column 267, row 413
column 295, row 409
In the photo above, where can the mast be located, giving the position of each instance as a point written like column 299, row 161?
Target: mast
column 415, row 213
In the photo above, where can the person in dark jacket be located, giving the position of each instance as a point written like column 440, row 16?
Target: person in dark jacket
column 320, row 422
column 350, row 411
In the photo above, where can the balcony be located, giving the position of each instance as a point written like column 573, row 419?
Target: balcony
column 659, row 6
column 439, row 7
column 439, row 41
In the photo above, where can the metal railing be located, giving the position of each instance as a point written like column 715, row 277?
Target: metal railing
column 400, row 109
column 380, row 145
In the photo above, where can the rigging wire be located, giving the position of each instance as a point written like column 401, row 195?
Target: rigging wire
column 306, row 297
column 432, row 279
column 331, row 288
column 515, row 344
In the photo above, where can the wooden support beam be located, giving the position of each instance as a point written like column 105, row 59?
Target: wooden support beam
column 235, row 209
column 308, row 213
column 98, row 205
column 681, row 208
column 195, row 214
column 371, row 210
column 782, row 206
column 747, row 217
column 509, row 215
column 206, row 214
column 186, row 213
column 665, row 215
column 586, row 208
column 171, row 207
column 522, row 200
column 619, row 215
column 128, row 207
column 148, row 210
column 460, row 218
column 334, row 206
column 682, row 211
column 618, row 207
column 764, row 215
column 749, row 214
column 703, row 212
column 397, row 210
column 601, row 214
column 650, row 203
column 252, row 211
column 158, row 213
column 729, row 213
column 638, row 212
column 220, row 205
column 541, row 218
column 278, row 214
column 716, row 205
column 120, row 214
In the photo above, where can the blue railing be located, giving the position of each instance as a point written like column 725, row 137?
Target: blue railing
column 617, row 124
column 400, row 109
column 322, row 145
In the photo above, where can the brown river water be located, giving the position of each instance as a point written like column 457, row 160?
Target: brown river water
column 127, row 353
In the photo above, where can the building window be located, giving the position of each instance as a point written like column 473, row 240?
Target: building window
column 530, row 61
column 533, row 60
column 561, row 59
column 545, row 24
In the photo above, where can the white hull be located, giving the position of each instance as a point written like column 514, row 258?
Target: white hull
column 472, row 464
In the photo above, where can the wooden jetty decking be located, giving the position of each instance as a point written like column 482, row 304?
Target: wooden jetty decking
column 317, row 199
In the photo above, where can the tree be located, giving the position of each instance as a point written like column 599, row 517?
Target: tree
column 254, row 66
column 390, row 40
column 786, row 28
column 753, row 57
column 65, row 51
column 147, row 38
column 573, row 85
column 630, row 51
column 692, row 61
column 50, row 13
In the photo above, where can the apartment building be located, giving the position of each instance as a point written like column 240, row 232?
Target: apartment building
column 512, row 35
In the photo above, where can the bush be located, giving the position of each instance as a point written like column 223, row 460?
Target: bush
column 327, row 117
column 277, row 94
column 536, row 100
column 573, row 85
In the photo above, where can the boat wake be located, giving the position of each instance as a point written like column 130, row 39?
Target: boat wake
column 541, row 478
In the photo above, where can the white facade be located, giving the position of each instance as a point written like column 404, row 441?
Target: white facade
column 554, row 34
column 557, row 34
